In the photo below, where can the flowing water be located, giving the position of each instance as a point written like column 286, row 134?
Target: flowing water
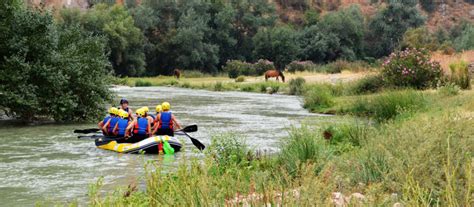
column 49, row 162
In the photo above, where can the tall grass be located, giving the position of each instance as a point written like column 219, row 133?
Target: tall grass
column 297, row 86
column 142, row 83
column 460, row 74
column 389, row 105
column 318, row 97
column 425, row 161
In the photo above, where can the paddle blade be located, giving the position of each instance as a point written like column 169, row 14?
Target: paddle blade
column 86, row 131
column 191, row 128
column 198, row 144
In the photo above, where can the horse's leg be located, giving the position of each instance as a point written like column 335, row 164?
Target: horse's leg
column 266, row 78
column 277, row 79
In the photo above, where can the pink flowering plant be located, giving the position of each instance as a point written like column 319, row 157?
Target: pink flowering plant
column 411, row 68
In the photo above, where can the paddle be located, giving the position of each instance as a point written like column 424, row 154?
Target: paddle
column 86, row 131
column 190, row 128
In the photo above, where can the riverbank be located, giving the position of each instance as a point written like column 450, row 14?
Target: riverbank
column 249, row 83
column 415, row 151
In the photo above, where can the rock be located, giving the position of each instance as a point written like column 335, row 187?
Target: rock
column 338, row 199
column 398, row 204
column 357, row 196
column 470, row 68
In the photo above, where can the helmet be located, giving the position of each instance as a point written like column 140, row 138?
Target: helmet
column 123, row 114
column 141, row 112
column 123, row 100
column 158, row 108
column 113, row 110
column 146, row 109
column 165, row 106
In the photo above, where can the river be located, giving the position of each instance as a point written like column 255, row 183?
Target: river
column 49, row 162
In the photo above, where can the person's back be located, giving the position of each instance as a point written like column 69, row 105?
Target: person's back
column 166, row 121
column 105, row 124
column 141, row 127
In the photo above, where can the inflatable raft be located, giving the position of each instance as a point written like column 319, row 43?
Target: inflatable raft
column 148, row 146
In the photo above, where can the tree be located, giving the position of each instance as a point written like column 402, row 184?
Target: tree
column 317, row 45
column 419, row 38
column 277, row 44
column 388, row 26
column 348, row 26
column 48, row 71
column 124, row 38
column 192, row 48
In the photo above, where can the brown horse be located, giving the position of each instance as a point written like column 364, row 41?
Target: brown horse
column 274, row 74
column 177, row 73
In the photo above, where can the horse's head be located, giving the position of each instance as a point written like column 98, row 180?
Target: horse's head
column 282, row 76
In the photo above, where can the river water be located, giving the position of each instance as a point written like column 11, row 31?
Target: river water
column 49, row 162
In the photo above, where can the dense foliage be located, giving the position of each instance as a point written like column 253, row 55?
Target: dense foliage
column 411, row 68
column 47, row 70
column 155, row 37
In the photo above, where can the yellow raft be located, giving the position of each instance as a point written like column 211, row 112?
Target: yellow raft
column 148, row 146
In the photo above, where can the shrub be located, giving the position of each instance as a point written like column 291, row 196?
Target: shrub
column 296, row 86
column 142, row 83
column 228, row 150
column 368, row 84
column 318, row 97
column 193, row 74
column 240, row 79
column 449, row 89
column 261, row 66
column 219, row 86
column 234, row 68
column 337, row 66
column 303, row 146
column 389, row 105
column 300, row 66
column 460, row 74
column 411, row 68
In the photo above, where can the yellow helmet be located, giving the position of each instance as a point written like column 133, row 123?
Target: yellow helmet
column 146, row 109
column 165, row 106
column 158, row 108
column 123, row 114
column 141, row 112
column 113, row 110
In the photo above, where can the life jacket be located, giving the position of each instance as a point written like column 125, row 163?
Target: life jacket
column 141, row 126
column 121, row 127
column 166, row 121
column 112, row 123
column 106, row 119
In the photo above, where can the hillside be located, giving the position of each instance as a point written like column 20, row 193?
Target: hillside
column 443, row 14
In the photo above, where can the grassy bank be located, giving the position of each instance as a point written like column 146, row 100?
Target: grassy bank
column 421, row 156
column 243, row 83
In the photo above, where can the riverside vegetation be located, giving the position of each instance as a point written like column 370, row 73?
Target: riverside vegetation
column 394, row 144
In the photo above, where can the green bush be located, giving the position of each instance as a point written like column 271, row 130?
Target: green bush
column 368, row 84
column 142, row 83
column 337, row 66
column 297, row 86
column 228, row 150
column 318, row 97
column 261, row 66
column 411, row 68
column 50, row 71
column 219, row 86
column 389, row 105
column 240, row 79
column 193, row 74
column 303, row 146
column 449, row 89
column 300, row 66
column 460, row 74
column 235, row 68
column 345, row 137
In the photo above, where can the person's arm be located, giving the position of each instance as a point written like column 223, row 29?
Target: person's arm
column 115, row 131
column 149, row 129
column 175, row 121
column 129, row 128
column 130, row 114
column 100, row 124
column 104, row 128
column 157, row 122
